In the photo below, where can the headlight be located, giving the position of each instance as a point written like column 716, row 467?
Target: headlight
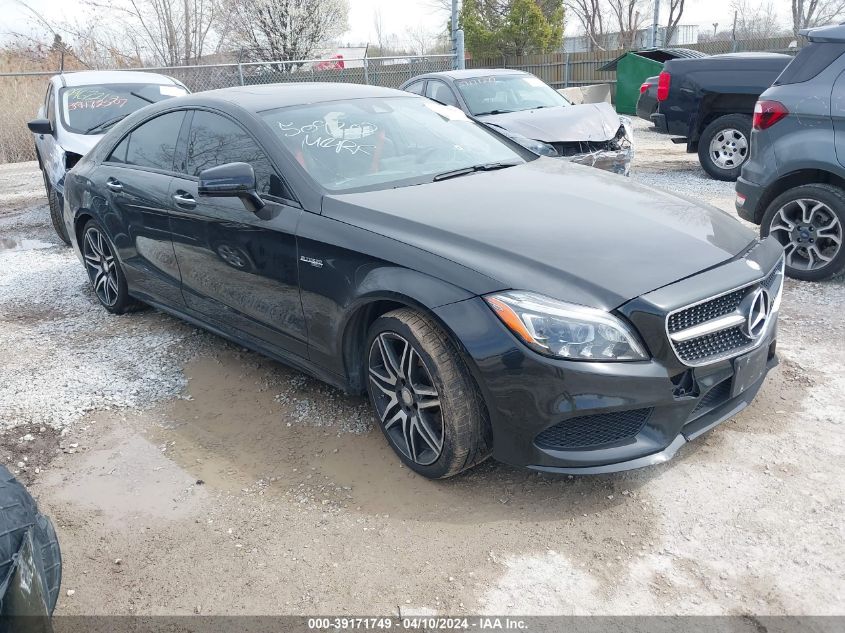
column 566, row 330
column 538, row 147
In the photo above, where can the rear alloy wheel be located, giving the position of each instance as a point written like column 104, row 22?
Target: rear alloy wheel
column 723, row 146
column 809, row 221
column 104, row 272
column 427, row 404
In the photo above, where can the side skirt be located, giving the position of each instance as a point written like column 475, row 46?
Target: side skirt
column 256, row 345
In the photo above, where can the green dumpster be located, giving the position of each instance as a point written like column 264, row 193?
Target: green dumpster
column 634, row 67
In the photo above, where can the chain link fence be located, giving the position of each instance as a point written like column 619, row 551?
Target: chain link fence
column 565, row 70
column 21, row 94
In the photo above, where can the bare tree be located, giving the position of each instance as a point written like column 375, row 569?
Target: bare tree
column 378, row 25
column 420, row 39
column 160, row 32
column 809, row 13
column 285, row 30
column 676, row 10
column 629, row 19
column 590, row 16
column 755, row 20
column 166, row 32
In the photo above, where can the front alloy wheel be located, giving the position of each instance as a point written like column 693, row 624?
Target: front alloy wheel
column 428, row 405
column 406, row 401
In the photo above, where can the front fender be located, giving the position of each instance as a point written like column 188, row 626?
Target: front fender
column 344, row 269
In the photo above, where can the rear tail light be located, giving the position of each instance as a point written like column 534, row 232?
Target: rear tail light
column 663, row 81
column 767, row 113
column 644, row 87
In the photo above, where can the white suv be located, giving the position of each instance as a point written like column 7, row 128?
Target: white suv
column 77, row 110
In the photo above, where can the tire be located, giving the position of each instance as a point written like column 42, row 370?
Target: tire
column 105, row 273
column 732, row 131
column 18, row 514
column 824, row 212
column 438, row 373
column 56, row 212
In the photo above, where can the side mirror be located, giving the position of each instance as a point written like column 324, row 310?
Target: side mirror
column 232, row 180
column 40, row 126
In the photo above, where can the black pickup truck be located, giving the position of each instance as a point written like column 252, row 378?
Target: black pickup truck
column 708, row 101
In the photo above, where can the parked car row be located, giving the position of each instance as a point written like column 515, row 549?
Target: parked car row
column 748, row 117
column 389, row 244
column 431, row 253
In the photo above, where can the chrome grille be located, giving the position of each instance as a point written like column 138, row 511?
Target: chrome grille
column 713, row 329
column 711, row 345
column 702, row 312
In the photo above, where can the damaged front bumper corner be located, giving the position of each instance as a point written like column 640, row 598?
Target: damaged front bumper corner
column 616, row 161
column 616, row 158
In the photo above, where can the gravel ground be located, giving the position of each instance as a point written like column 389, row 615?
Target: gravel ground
column 186, row 475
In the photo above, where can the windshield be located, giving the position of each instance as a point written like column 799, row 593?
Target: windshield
column 376, row 143
column 92, row 109
column 507, row 93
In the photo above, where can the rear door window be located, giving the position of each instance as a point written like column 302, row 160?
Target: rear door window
column 809, row 62
column 440, row 92
column 152, row 144
column 416, row 87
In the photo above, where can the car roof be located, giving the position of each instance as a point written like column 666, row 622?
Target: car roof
column 744, row 55
column 89, row 77
column 269, row 96
column 831, row 33
column 469, row 73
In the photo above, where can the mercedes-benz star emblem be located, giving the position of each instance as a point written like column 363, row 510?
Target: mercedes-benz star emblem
column 757, row 308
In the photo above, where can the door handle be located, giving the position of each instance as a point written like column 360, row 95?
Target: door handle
column 185, row 200
column 114, row 185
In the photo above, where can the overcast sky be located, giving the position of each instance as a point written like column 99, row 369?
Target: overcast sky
column 398, row 15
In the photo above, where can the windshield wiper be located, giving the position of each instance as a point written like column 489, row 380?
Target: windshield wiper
column 141, row 97
column 472, row 169
column 493, row 112
column 105, row 124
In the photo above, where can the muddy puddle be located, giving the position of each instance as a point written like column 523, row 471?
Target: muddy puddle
column 235, row 433
column 22, row 244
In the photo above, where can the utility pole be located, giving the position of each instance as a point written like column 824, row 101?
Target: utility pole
column 733, row 34
column 654, row 24
column 457, row 50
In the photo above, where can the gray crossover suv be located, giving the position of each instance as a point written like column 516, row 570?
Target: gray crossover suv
column 793, row 184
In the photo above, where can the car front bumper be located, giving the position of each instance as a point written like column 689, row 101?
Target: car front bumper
column 628, row 414
column 617, row 161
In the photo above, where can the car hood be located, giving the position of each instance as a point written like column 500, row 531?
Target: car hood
column 585, row 122
column 79, row 143
column 567, row 231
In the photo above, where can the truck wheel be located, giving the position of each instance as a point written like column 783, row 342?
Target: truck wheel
column 810, row 223
column 18, row 514
column 55, row 204
column 723, row 146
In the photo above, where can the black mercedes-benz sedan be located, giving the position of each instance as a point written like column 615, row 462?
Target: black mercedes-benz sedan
column 490, row 301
